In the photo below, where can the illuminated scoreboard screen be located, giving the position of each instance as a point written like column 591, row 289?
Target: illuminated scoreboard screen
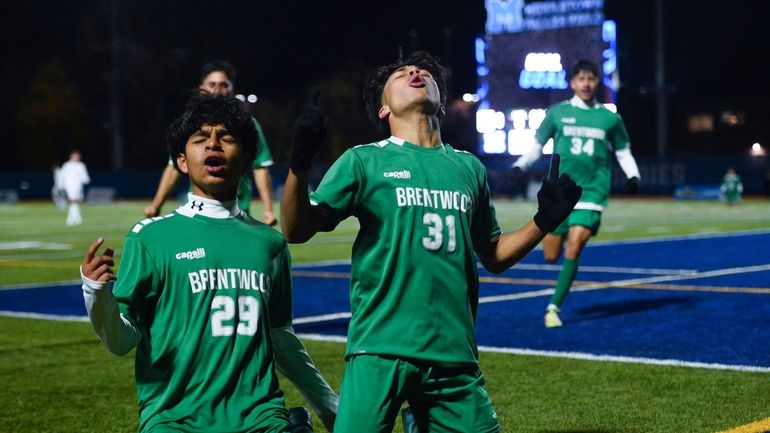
column 524, row 64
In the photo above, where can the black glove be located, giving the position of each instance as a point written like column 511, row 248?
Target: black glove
column 516, row 175
column 299, row 420
column 631, row 186
column 556, row 198
column 309, row 133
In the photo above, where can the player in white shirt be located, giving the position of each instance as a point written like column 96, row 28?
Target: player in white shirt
column 73, row 176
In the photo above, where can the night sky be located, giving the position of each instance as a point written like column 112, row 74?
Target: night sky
column 57, row 65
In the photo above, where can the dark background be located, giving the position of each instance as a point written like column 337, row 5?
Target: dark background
column 57, row 66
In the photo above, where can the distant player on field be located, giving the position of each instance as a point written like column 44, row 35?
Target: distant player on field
column 74, row 176
column 218, row 77
column 205, row 295
column 425, row 215
column 585, row 133
column 732, row 187
column 58, row 194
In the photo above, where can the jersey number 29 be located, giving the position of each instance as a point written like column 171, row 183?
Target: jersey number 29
column 224, row 321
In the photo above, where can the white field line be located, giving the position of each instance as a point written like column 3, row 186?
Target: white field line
column 626, row 359
column 34, row 245
column 607, row 269
column 583, row 356
column 680, row 237
column 38, row 256
column 628, row 282
column 63, row 318
column 321, row 263
column 322, row 318
column 23, row 286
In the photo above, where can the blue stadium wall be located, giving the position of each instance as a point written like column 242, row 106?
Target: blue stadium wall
column 659, row 177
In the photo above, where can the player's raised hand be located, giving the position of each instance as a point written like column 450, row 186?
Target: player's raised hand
column 631, row 186
column 151, row 211
column 516, row 175
column 98, row 267
column 309, row 134
column 556, row 198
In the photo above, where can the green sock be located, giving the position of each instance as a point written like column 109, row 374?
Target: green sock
column 564, row 282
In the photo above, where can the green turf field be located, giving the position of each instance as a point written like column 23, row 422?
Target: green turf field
column 56, row 376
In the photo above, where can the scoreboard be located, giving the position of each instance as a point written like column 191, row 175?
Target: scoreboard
column 524, row 62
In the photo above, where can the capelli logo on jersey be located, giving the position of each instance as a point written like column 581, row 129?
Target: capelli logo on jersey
column 403, row 174
column 198, row 253
column 568, row 119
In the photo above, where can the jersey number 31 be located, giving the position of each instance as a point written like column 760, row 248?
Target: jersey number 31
column 435, row 237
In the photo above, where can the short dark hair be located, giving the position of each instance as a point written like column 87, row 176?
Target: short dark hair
column 375, row 84
column 205, row 108
column 220, row 66
column 584, row 65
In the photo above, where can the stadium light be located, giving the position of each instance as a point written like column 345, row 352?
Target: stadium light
column 252, row 98
column 470, row 97
column 758, row 150
column 240, row 97
column 488, row 121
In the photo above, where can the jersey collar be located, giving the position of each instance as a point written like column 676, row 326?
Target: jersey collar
column 207, row 207
column 400, row 141
column 579, row 103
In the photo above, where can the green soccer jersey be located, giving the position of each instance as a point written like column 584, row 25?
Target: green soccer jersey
column 584, row 137
column 731, row 184
column 414, row 283
column 204, row 285
column 732, row 187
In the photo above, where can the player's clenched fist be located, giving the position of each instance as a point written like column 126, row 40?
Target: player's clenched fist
column 556, row 198
column 98, row 267
column 308, row 134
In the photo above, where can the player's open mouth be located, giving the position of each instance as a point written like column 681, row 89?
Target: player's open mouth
column 213, row 164
column 417, row 81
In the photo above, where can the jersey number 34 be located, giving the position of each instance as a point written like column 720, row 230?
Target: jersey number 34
column 578, row 146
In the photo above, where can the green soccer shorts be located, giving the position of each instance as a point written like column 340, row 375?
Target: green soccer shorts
column 444, row 399
column 590, row 219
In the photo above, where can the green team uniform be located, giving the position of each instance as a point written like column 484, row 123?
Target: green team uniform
column 414, row 282
column 584, row 137
column 732, row 188
column 263, row 159
column 204, row 290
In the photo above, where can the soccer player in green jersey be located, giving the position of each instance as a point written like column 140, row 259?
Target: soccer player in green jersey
column 584, row 134
column 425, row 215
column 204, row 295
column 732, row 187
column 218, row 77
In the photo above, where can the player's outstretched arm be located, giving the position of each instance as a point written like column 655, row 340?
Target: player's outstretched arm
column 292, row 360
column 299, row 221
column 168, row 181
column 556, row 199
column 628, row 165
column 114, row 330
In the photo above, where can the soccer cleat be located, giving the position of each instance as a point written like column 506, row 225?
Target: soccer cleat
column 299, row 420
column 552, row 319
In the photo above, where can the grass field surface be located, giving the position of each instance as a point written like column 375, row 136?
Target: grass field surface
column 58, row 378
